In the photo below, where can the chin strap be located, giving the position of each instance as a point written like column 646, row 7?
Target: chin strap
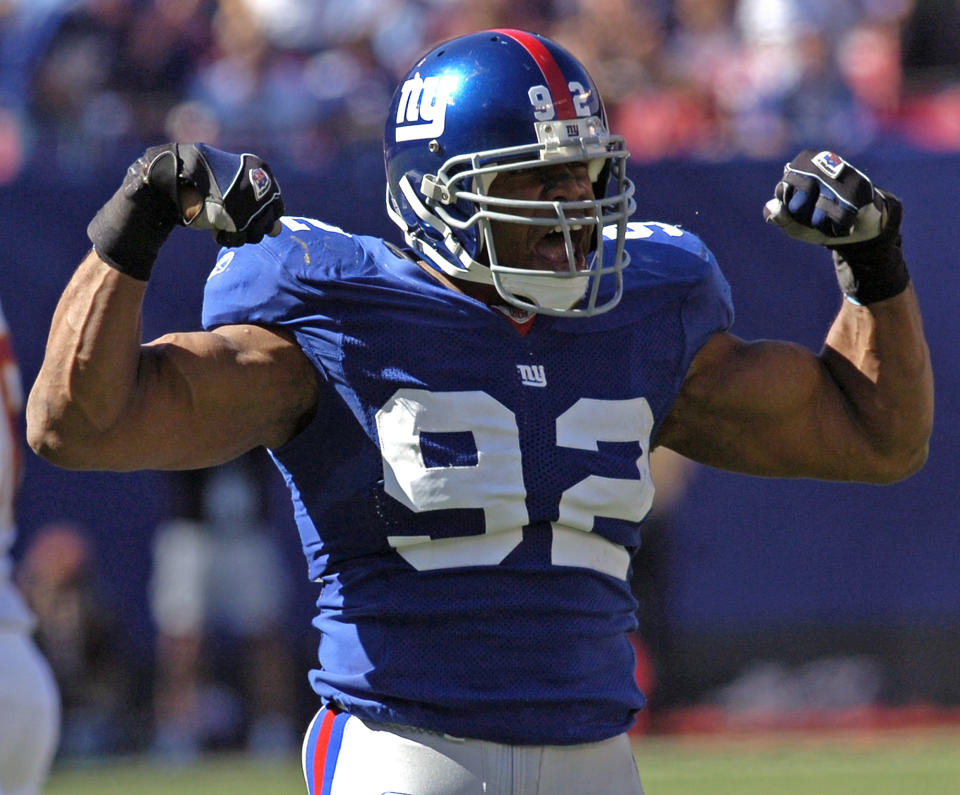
column 544, row 292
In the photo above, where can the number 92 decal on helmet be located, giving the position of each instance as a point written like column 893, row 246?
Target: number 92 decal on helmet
column 496, row 101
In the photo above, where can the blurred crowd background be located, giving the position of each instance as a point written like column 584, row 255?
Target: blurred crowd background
column 710, row 79
column 86, row 84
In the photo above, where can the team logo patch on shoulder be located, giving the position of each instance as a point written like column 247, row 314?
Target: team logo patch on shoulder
column 260, row 180
column 829, row 163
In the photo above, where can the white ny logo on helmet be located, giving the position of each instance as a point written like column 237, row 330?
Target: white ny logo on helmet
column 424, row 101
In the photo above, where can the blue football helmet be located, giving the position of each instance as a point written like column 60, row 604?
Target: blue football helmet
column 490, row 102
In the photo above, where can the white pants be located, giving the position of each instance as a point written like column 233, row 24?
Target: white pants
column 29, row 715
column 343, row 755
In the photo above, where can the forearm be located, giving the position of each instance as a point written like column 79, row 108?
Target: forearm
column 88, row 378
column 879, row 359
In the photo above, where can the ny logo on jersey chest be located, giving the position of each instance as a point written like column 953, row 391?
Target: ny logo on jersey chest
column 532, row 374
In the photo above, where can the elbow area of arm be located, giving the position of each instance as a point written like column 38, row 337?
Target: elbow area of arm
column 52, row 448
column 67, row 448
column 912, row 464
column 896, row 468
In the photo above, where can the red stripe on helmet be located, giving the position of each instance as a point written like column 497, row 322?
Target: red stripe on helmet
column 556, row 83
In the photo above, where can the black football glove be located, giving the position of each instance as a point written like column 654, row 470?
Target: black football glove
column 241, row 203
column 823, row 199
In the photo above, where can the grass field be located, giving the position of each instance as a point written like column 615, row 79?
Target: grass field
column 885, row 763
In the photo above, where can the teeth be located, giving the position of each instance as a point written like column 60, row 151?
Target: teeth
column 573, row 228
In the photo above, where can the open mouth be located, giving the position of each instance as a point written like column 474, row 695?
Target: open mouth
column 552, row 248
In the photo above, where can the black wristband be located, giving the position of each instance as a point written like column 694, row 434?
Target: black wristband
column 874, row 270
column 130, row 228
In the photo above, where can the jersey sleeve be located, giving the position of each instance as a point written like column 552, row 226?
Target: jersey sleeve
column 253, row 284
column 289, row 282
column 675, row 267
column 283, row 280
column 707, row 307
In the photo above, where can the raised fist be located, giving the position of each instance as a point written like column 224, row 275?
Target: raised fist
column 823, row 199
column 238, row 198
column 241, row 197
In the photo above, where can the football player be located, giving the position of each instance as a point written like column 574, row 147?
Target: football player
column 465, row 422
column 29, row 699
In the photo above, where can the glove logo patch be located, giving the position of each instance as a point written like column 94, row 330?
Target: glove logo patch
column 260, row 180
column 829, row 163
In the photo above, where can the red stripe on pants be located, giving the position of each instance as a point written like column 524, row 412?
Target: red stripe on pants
column 320, row 752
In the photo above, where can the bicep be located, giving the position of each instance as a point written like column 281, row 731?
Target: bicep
column 764, row 408
column 203, row 398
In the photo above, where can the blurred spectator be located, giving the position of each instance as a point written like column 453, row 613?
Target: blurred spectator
column 450, row 18
column 12, row 145
column 701, row 57
column 112, row 70
column 931, row 43
column 621, row 42
column 77, row 631
column 931, row 66
column 789, row 90
column 26, row 28
column 218, row 596
column 254, row 91
column 296, row 79
column 290, row 94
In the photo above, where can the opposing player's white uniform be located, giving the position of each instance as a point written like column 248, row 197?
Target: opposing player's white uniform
column 29, row 703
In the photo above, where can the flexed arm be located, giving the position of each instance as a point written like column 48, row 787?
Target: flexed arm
column 104, row 401
column 861, row 410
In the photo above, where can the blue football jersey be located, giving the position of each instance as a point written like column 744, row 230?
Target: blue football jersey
column 468, row 496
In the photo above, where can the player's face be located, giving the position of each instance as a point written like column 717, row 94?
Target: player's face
column 540, row 247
